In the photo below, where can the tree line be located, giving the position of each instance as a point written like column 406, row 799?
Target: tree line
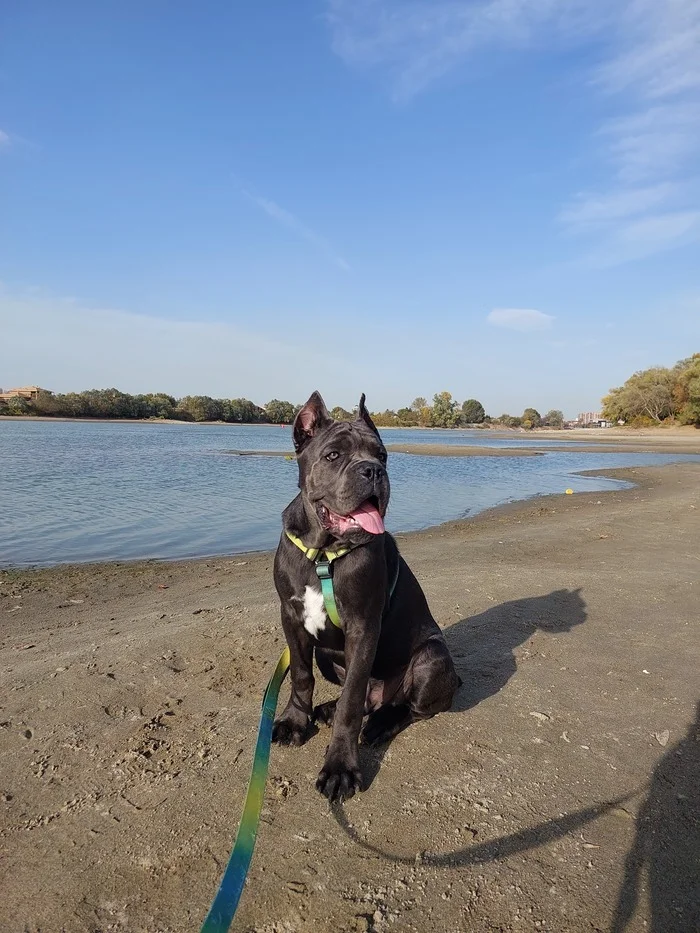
column 658, row 394
column 111, row 403
column 444, row 412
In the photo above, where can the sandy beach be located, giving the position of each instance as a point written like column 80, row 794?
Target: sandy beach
column 559, row 794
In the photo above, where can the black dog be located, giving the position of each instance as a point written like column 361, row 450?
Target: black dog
column 386, row 650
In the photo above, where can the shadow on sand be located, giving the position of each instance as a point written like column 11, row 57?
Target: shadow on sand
column 483, row 648
column 666, row 847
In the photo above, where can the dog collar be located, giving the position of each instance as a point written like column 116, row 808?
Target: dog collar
column 322, row 565
column 313, row 552
column 323, row 572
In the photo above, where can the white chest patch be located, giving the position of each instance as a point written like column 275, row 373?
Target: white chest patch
column 314, row 613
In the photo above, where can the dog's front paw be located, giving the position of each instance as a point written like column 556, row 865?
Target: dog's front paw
column 339, row 781
column 290, row 732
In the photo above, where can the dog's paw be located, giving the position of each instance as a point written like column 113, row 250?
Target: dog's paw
column 325, row 713
column 384, row 724
column 288, row 732
column 339, row 782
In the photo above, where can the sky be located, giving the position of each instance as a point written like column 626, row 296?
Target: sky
column 497, row 198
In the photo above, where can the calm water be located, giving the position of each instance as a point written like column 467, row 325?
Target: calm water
column 89, row 491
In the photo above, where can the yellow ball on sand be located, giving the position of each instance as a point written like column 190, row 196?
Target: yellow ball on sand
column 569, row 492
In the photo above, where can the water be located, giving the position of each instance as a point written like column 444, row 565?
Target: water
column 82, row 491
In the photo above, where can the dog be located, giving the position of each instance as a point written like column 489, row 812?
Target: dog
column 387, row 652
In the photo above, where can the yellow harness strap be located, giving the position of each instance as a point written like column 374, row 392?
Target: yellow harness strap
column 323, row 571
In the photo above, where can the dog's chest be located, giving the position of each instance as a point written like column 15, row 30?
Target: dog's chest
column 313, row 610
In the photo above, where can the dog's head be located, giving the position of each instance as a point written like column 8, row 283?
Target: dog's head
column 342, row 471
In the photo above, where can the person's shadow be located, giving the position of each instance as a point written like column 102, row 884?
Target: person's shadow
column 667, row 844
column 483, row 649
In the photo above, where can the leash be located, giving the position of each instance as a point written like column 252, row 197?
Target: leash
column 225, row 902
column 224, row 905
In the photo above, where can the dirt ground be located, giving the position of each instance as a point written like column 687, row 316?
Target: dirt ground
column 561, row 792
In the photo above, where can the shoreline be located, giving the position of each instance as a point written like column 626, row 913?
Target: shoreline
column 132, row 697
column 409, row 450
column 421, row 450
column 618, row 432
column 626, row 474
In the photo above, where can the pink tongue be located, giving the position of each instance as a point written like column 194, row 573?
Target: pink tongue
column 368, row 517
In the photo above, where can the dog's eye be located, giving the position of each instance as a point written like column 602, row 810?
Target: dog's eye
column 333, row 455
column 382, row 456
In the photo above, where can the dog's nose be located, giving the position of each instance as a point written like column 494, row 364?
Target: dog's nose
column 373, row 471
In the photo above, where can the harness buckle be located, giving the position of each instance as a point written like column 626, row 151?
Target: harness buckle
column 323, row 569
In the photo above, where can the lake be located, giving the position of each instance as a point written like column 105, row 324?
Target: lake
column 86, row 491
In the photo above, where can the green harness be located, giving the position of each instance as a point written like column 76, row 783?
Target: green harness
column 323, row 572
column 322, row 565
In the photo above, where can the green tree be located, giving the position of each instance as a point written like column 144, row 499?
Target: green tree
column 531, row 418
column 157, row 404
column 472, row 412
column 407, row 417
column 199, row 408
column 687, row 390
column 18, row 406
column 418, row 403
column 242, row 411
column 385, row 419
column 554, row 418
column 47, row 404
column 280, row 412
column 341, row 414
column 444, row 414
column 647, row 395
column 510, row 421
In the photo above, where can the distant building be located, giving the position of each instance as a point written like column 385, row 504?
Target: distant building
column 28, row 392
column 591, row 419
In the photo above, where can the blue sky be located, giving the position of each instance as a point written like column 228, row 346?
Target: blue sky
column 499, row 198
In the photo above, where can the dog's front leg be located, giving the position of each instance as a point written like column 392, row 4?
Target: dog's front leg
column 293, row 725
column 340, row 776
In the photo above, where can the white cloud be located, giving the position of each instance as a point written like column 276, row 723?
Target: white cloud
column 65, row 346
column 587, row 210
column 4, row 139
column 646, row 236
column 655, row 68
column 288, row 220
column 418, row 41
column 649, row 60
column 653, row 142
column 657, row 49
column 520, row 319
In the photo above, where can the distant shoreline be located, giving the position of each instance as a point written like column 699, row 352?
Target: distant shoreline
column 230, row 424
column 674, row 434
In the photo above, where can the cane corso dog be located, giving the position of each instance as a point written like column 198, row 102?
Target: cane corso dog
column 388, row 654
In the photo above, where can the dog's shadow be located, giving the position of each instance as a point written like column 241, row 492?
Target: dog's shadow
column 483, row 649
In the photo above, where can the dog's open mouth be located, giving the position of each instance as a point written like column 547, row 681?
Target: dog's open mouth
column 366, row 517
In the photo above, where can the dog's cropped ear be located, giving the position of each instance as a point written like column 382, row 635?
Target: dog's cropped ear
column 311, row 418
column 363, row 415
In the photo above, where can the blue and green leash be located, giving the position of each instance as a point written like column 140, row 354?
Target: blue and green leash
column 221, row 912
column 225, row 903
